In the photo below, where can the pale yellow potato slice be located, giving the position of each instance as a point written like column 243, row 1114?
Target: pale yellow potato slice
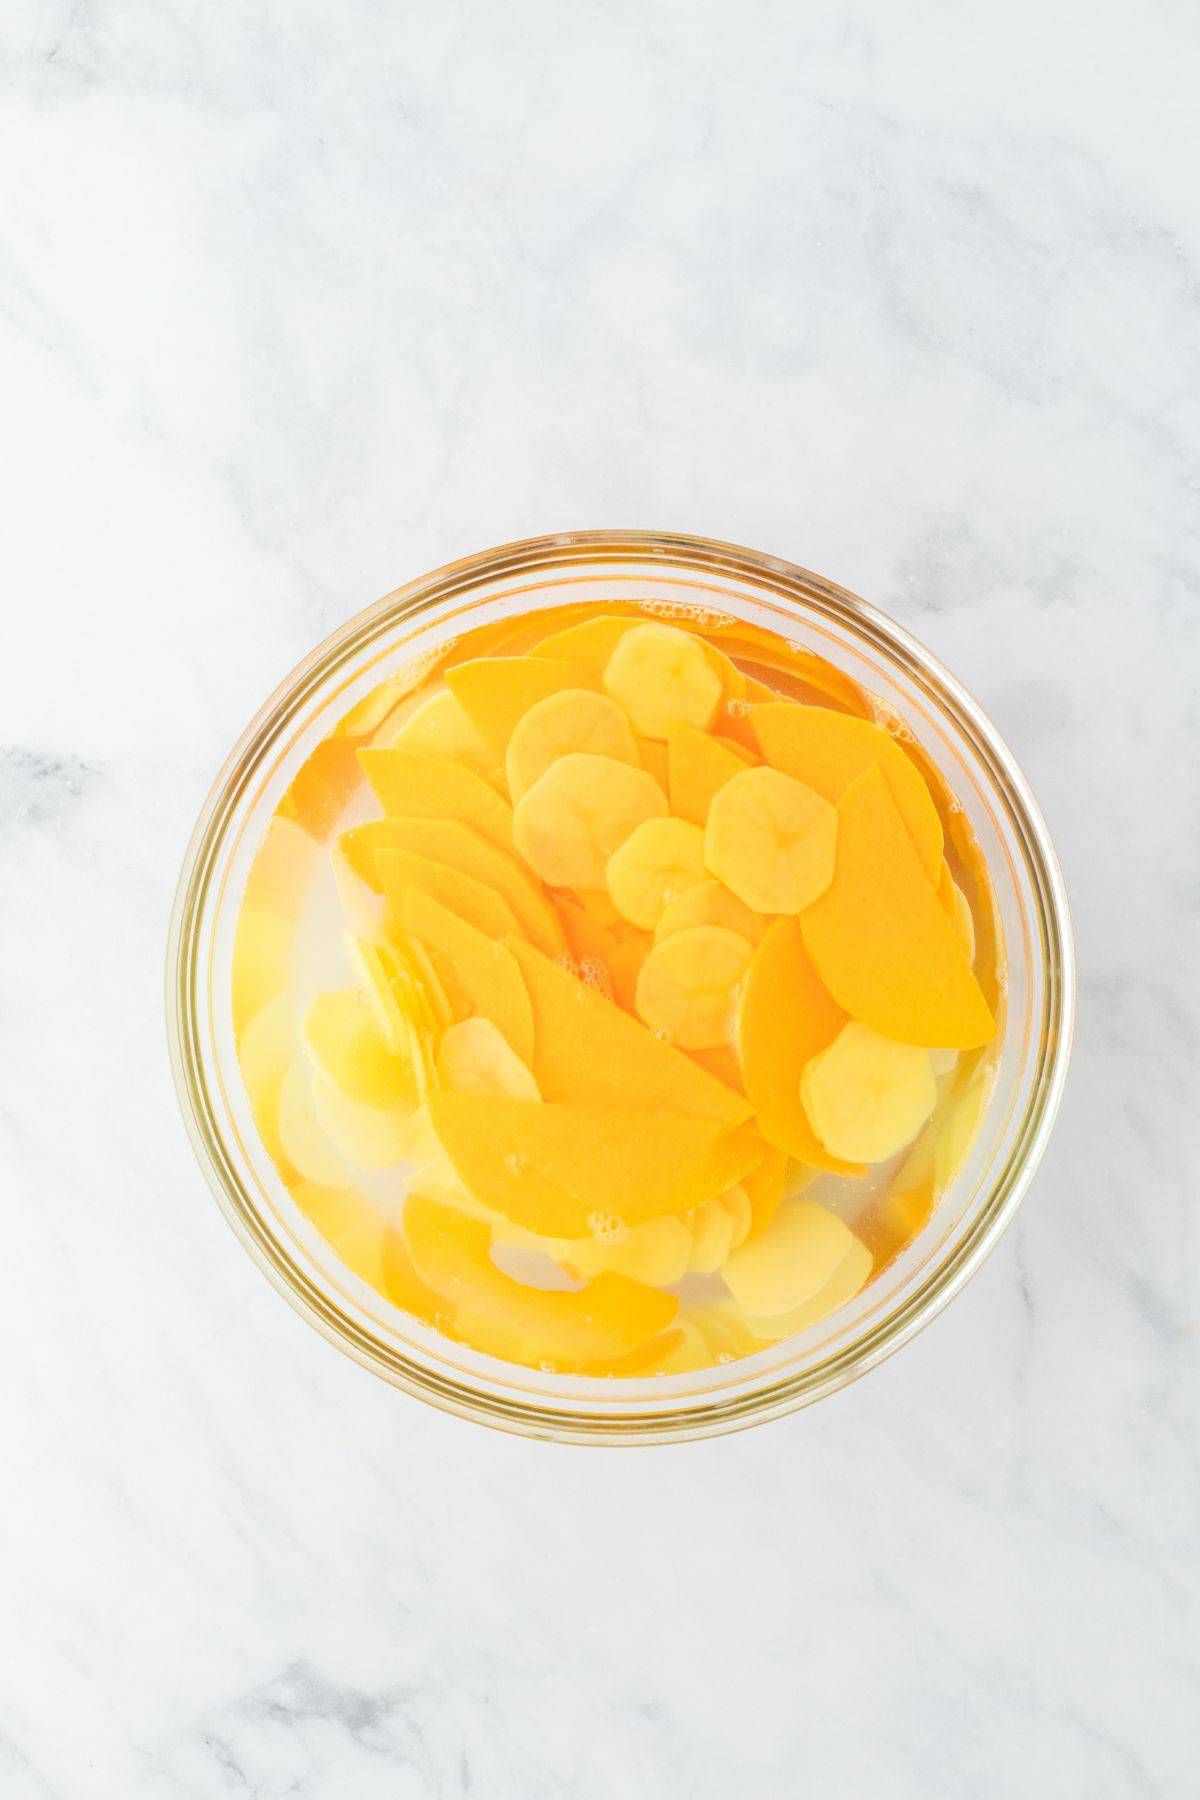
column 575, row 719
column 368, row 1137
column 265, row 1051
column 343, row 1038
column 355, row 1230
column 375, row 965
column 687, row 986
column 474, row 1057
column 957, row 1136
column 362, row 909
column 304, row 1141
column 662, row 677
column 431, row 1172
column 283, row 866
column 790, row 1261
column 689, row 1353
column 848, row 1279
column 709, row 902
column 658, row 862
column 441, row 726
column 724, row 1331
column 575, row 815
column 656, row 1253
column 771, row 840
column 263, row 945
column 866, row 1096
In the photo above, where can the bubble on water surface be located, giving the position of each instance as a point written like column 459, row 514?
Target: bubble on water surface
column 607, row 1228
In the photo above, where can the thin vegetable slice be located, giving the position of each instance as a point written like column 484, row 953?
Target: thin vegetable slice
column 771, row 840
column 879, row 939
column 567, row 1170
column 461, row 847
column 342, row 1036
column 785, row 1017
column 709, row 902
column 828, row 750
column 441, row 726
column 659, row 861
column 576, row 719
column 367, row 1137
column 849, row 1277
column 575, row 815
column 305, row 1142
column 610, row 1316
column 474, row 1057
column 411, row 786
column 686, row 987
column 867, row 1096
column 586, row 1049
column 712, row 1237
column 698, row 764
column 656, row 1253
column 479, row 905
column 791, row 1260
column 483, row 968
column 662, row 677
column 497, row 691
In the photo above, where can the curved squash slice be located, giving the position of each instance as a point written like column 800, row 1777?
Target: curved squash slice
column 568, row 1171
column 411, row 786
column 483, row 968
column 610, row 1316
column 697, row 765
column 785, row 1017
column 880, row 939
column 461, row 847
column 588, row 1050
column 496, row 692
column 402, row 870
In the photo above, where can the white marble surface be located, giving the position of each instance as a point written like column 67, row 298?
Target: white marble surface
column 299, row 301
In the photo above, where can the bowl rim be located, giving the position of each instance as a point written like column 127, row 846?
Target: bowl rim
column 709, row 1415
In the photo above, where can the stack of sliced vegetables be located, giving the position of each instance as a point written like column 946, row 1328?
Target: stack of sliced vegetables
column 638, row 949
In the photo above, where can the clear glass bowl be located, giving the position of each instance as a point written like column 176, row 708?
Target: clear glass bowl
column 801, row 608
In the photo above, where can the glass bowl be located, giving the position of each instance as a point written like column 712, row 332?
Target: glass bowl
column 808, row 613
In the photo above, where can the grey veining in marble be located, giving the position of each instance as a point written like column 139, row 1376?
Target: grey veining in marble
column 299, row 301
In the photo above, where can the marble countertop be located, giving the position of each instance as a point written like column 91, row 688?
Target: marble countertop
column 298, row 302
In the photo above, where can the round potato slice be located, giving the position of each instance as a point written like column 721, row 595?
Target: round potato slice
column 687, row 984
column 771, row 840
column 575, row 719
column 662, row 677
column 866, row 1096
column 575, row 815
column 475, row 1057
column 655, row 865
column 709, row 902
column 791, row 1260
